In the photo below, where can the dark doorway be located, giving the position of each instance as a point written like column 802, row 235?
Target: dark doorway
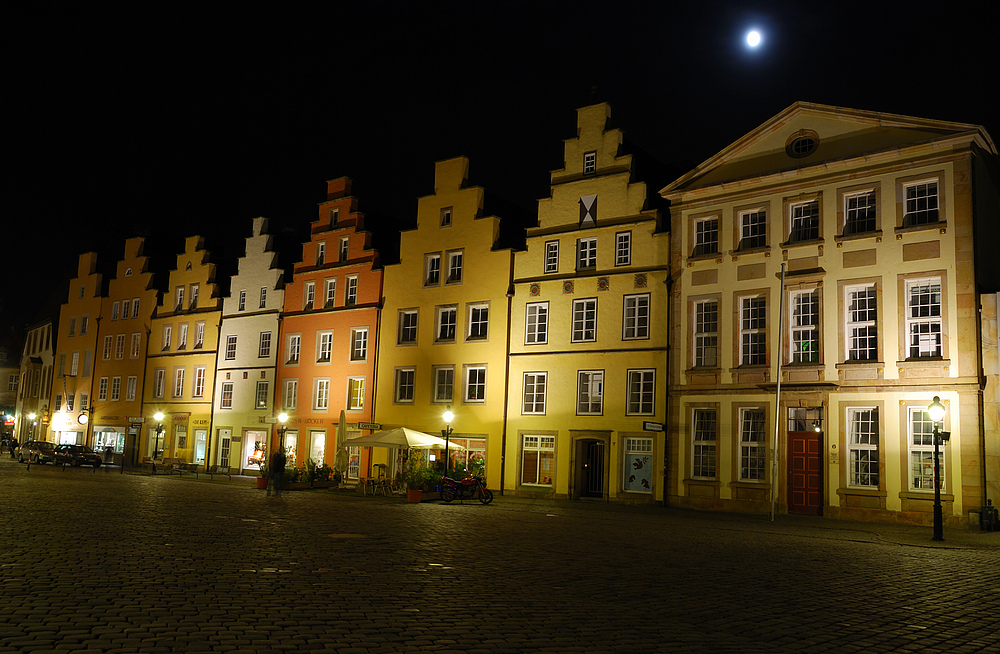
column 805, row 454
column 592, row 469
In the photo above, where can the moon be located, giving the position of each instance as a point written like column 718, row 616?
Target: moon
column 753, row 38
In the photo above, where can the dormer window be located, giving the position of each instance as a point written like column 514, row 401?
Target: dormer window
column 590, row 163
column 446, row 217
column 334, row 216
column 321, row 253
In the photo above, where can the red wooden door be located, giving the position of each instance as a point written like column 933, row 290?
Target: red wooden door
column 805, row 479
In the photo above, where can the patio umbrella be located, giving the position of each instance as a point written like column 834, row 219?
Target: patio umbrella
column 401, row 437
column 341, row 458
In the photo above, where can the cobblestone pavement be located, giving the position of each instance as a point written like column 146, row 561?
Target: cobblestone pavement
column 104, row 562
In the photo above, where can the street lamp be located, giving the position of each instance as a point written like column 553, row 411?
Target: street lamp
column 158, row 417
column 31, row 428
column 446, row 432
column 282, row 418
column 936, row 411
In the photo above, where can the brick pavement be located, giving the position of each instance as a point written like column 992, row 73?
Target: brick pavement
column 102, row 562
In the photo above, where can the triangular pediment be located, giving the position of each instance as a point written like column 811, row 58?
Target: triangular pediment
column 807, row 134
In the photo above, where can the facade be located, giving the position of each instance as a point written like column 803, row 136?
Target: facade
column 73, row 385
column 589, row 343
column 10, row 375
column 329, row 334
column 35, row 387
column 443, row 339
column 181, row 360
column 245, row 377
column 123, row 333
column 875, row 221
column 991, row 401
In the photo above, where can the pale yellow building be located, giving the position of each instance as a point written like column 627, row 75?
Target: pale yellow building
column 180, row 367
column 443, row 329
column 588, row 331
column 876, row 219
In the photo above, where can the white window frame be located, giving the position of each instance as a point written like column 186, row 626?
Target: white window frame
column 261, row 395
column 589, row 392
column 860, row 209
column 432, row 269
column 590, row 162
column 178, row 386
column 803, row 221
column 477, row 322
column 116, row 389
column 924, row 318
column 309, row 296
column 804, row 327
column 920, row 451
column 540, row 450
column 704, row 442
column 706, row 236
column 536, row 323
column 405, row 385
column 474, row 382
column 263, row 298
column 586, row 253
column 351, row 295
column 637, row 455
column 324, row 346
column 533, row 393
column 921, row 203
column 329, row 292
column 753, row 444
column 551, row 264
column 444, row 380
column 226, row 395
column 861, row 323
column 359, row 344
column 168, row 333
column 199, row 335
column 355, row 393
column 159, row 383
column 200, row 374
column 119, row 347
column 635, row 317
column 102, row 389
column 108, row 347
column 456, row 266
column 446, row 329
column 231, row 347
column 753, row 229
column 321, row 394
column 182, row 336
column 130, row 388
column 407, row 324
column 863, row 447
column 623, row 249
column 294, row 348
column 320, row 253
column 178, row 298
column 242, row 302
column 344, row 251
column 641, row 399
column 264, row 346
column 706, row 333
column 136, row 348
column 290, row 399
column 193, row 301
column 135, row 308
column 584, row 327
column 753, row 330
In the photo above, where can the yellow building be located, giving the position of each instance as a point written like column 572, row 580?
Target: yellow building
column 588, row 331
column 72, row 386
column 122, row 341
column 180, row 367
column 443, row 329
column 874, row 218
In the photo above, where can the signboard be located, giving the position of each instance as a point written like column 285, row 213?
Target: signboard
column 370, row 425
column 652, row 426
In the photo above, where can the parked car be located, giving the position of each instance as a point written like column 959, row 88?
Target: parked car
column 36, row 452
column 76, row 455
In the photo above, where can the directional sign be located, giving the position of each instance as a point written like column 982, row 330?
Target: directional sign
column 652, row 426
column 370, row 425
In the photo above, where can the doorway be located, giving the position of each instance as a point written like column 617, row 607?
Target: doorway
column 805, row 453
column 590, row 469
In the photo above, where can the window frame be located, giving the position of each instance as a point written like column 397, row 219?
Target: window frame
column 231, row 344
column 704, row 339
column 911, row 321
column 580, row 332
column 810, row 226
column 544, row 448
column 550, row 264
column 438, row 384
column 702, row 246
column 533, row 401
column 324, row 346
column 321, row 394
column 290, row 395
column 589, row 380
column 748, row 350
column 853, row 336
column 402, row 328
column 351, row 292
column 404, row 384
column 925, row 450
column 359, row 344
column 432, row 269
column 641, row 401
column 226, row 395
column 752, row 449
column 623, row 248
column 264, row 345
column 478, row 385
column 856, row 448
column 293, row 349
column 355, row 393
column 456, row 271
column 705, row 443
column 639, row 331
column 586, row 253
column 752, row 239
column 440, row 313
column 480, row 324
column 798, row 299
column 537, row 334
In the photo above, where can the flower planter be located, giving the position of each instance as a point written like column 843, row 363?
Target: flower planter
column 414, row 496
column 261, row 482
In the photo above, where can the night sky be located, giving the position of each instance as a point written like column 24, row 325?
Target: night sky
column 166, row 123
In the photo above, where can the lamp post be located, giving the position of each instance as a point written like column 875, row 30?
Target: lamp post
column 936, row 411
column 31, row 428
column 282, row 419
column 158, row 417
column 446, row 432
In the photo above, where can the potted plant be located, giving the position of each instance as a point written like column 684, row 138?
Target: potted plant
column 322, row 476
column 417, row 476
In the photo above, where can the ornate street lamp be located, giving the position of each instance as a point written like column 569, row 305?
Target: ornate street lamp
column 446, row 432
column 282, row 418
column 158, row 417
column 936, row 411
column 31, row 429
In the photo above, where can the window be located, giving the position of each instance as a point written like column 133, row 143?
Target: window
column 130, row 388
column 159, row 383
column 706, row 334
column 193, row 303
column 586, row 254
column 74, row 364
column 167, row 336
column 321, row 253
column 263, row 390
column 263, row 297
column 321, row 394
column 536, row 328
column 551, row 256
column 198, row 390
column 753, row 447
column 862, row 323
column 641, row 390
column 590, row 392
column 199, row 335
column 859, row 213
column 226, row 401
column 923, row 318
column 404, row 384
column 805, row 327
column 862, row 446
column 325, row 347
column 584, row 320
column 753, row 331
column 407, row 330
column 623, row 248
column 178, row 298
column 537, row 459
column 329, row 292
column 753, row 229
column 88, row 361
column 534, row 393
column 120, row 347
column 72, row 327
column 921, row 450
column 479, row 321
column 108, row 340
column 444, row 383
column 359, row 344
column 455, row 263
column 705, row 425
column 135, row 308
column 475, row 383
column 706, row 236
column 355, row 393
column 804, row 222
column 637, row 465
column 114, row 311
column 309, row 296
column 182, row 337
column 921, row 204
column 446, row 217
column 243, row 301
column 294, row 347
column 291, row 398
column 432, row 269
column 116, row 389
column 345, row 248
column 447, row 317
column 102, row 389
column 636, row 317
column 351, row 298
column 264, row 348
column 230, row 347
column 178, row 382
column 334, row 216
column 589, row 163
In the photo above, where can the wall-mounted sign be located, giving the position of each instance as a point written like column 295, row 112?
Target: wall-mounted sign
column 652, row 426
column 370, row 425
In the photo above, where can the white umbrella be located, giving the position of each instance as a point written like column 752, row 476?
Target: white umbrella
column 401, row 437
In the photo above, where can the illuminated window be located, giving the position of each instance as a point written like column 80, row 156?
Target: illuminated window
column 534, row 393
column 921, row 204
column 862, row 323
column 753, row 445
column 753, row 331
column 706, row 336
column 923, row 318
column 862, row 446
column 537, row 460
column 804, row 320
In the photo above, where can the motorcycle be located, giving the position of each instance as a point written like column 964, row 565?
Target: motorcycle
column 465, row 489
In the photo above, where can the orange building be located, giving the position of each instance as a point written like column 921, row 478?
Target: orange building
column 328, row 342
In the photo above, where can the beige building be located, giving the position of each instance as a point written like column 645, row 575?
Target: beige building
column 588, row 364
column 34, row 390
column 875, row 220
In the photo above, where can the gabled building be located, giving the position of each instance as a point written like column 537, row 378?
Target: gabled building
column 123, row 332
column 848, row 250
column 181, row 360
column 443, row 339
column 588, row 350
column 10, row 375
column 35, row 387
column 245, row 375
column 73, row 385
column 329, row 333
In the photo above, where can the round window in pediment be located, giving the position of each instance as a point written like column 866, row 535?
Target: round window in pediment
column 802, row 143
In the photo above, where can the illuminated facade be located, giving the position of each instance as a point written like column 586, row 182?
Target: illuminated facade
column 245, row 377
column 35, row 386
column 881, row 223
column 183, row 342
column 329, row 333
column 588, row 339
column 444, row 324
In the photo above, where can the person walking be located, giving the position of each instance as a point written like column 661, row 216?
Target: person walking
column 277, row 471
column 12, row 444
